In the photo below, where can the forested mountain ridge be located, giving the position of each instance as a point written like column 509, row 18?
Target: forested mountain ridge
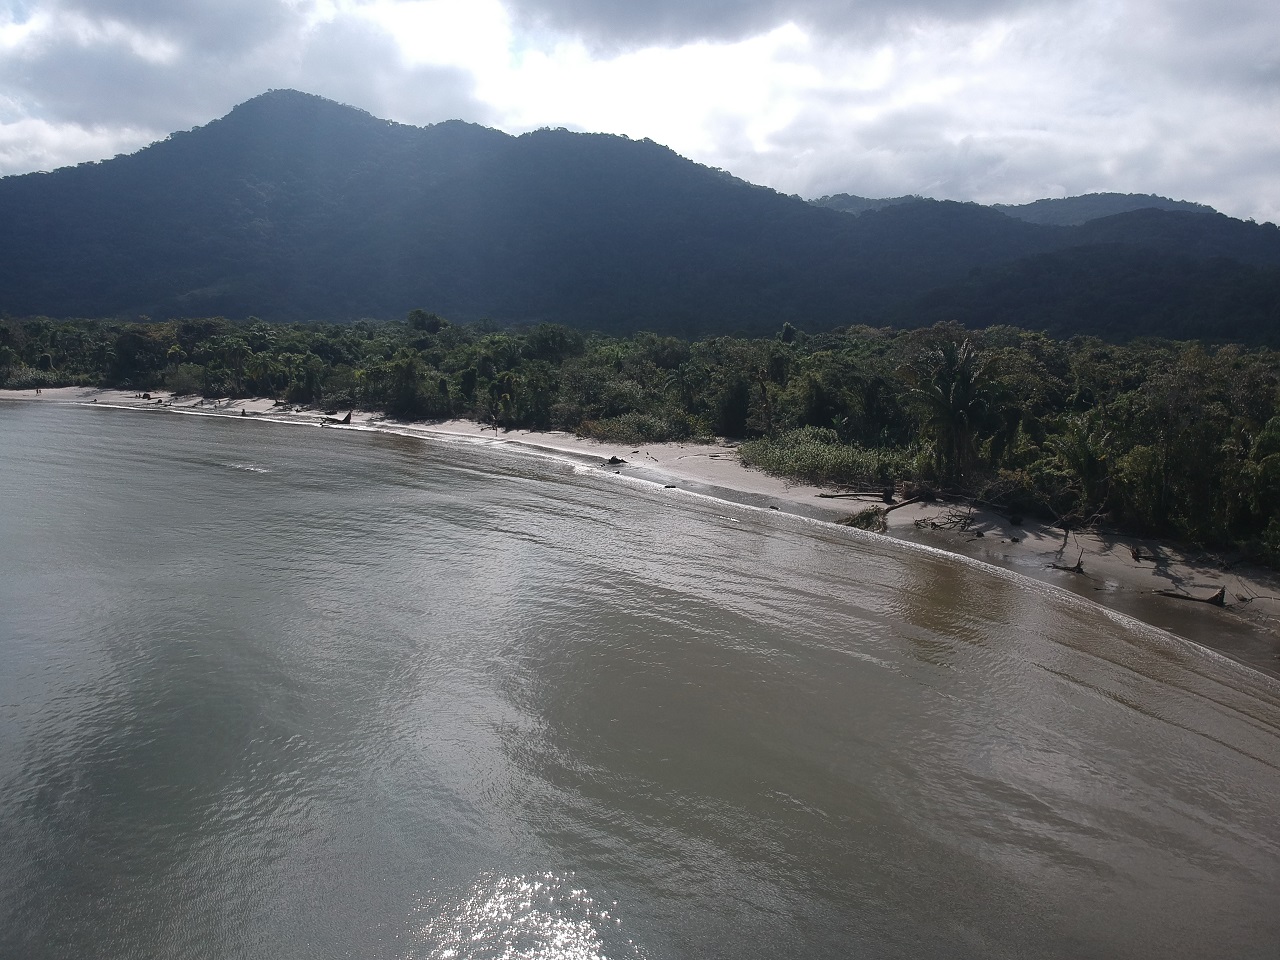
column 1058, row 211
column 1073, row 211
column 296, row 208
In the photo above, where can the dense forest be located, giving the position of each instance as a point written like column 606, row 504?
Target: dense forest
column 1058, row 211
column 293, row 207
column 1159, row 437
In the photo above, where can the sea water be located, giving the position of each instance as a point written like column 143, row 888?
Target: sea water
column 278, row 691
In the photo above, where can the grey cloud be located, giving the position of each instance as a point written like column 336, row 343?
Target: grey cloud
column 1230, row 45
column 624, row 23
column 360, row 65
column 209, row 25
column 106, row 88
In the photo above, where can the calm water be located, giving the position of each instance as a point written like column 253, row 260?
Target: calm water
column 286, row 692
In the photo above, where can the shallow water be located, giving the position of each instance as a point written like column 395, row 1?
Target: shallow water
column 289, row 692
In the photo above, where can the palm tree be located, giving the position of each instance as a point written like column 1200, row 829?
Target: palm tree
column 1081, row 449
column 262, row 370
column 956, row 392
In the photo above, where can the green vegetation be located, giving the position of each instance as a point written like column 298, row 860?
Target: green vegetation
column 292, row 207
column 1159, row 437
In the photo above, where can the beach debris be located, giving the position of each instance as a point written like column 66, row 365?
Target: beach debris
column 953, row 519
column 904, row 503
column 1077, row 567
column 875, row 517
column 852, row 493
column 869, row 518
column 1243, row 598
column 1139, row 556
column 1218, row 598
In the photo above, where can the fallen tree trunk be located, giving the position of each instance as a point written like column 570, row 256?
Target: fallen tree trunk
column 904, row 503
column 1218, row 598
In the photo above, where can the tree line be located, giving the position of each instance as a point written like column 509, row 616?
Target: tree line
column 1164, row 438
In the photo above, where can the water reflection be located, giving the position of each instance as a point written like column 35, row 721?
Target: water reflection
column 254, row 713
column 539, row 917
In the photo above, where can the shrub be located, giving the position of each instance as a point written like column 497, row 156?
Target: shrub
column 185, row 379
column 816, row 455
column 644, row 428
column 28, row 378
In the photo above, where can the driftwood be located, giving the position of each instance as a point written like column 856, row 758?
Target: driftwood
column 903, row 503
column 873, row 517
column 1077, row 567
column 951, row 520
column 1218, row 598
column 1139, row 556
column 849, row 493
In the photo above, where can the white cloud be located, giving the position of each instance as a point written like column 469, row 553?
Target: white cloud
column 32, row 144
column 474, row 35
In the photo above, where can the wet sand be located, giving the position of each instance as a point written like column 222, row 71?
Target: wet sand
column 1122, row 573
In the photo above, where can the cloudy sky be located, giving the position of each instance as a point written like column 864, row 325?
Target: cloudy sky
column 987, row 100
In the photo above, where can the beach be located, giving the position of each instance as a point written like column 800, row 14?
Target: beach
column 1157, row 583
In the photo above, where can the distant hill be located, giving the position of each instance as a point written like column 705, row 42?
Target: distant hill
column 1114, row 292
column 1064, row 212
column 848, row 203
column 1073, row 211
column 297, row 208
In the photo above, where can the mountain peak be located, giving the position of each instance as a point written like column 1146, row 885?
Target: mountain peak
column 293, row 206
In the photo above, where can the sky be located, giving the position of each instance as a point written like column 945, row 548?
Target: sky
column 988, row 100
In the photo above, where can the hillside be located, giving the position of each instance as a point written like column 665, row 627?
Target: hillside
column 1073, row 211
column 1059, row 212
column 849, row 203
column 296, row 208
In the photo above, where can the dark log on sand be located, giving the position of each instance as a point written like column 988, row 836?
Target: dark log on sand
column 903, row 503
column 1218, row 598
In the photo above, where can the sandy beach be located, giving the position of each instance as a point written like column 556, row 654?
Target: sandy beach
column 1122, row 573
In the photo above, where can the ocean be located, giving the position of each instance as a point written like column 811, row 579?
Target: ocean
column 278, row 691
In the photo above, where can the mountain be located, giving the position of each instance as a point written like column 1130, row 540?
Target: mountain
column 1063, row 212
column 1073, row 211
column 849, row 203
column 292, row 207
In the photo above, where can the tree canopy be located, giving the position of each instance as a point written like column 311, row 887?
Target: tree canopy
column 1162, row 437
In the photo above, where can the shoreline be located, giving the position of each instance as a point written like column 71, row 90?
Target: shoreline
column 1245, row 629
